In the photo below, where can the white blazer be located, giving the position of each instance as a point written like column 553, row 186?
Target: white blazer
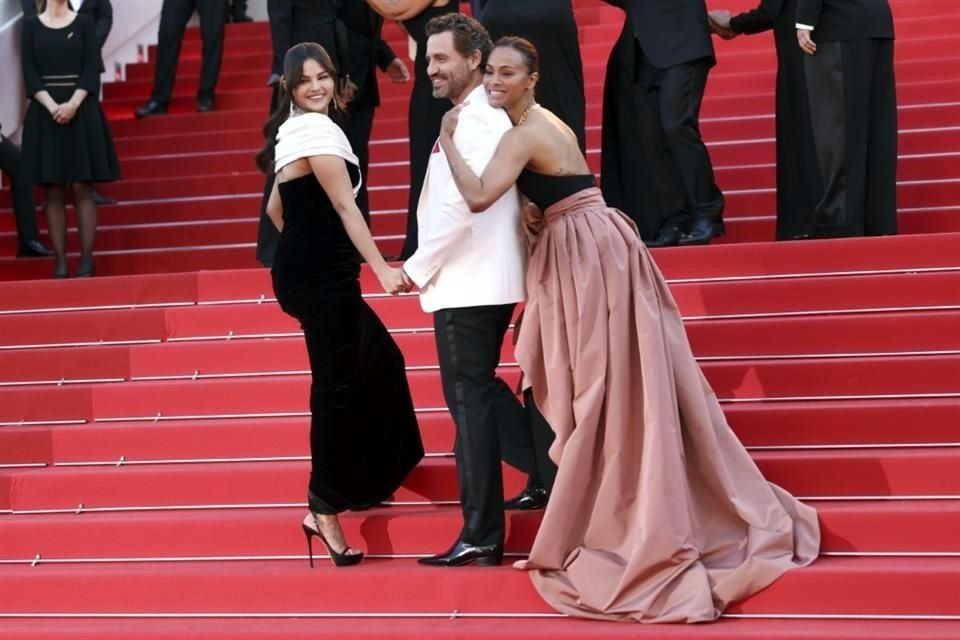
column 468, row 259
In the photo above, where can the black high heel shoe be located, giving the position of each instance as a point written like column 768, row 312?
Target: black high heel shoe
column 86, row 269
column 342, row 559
column 61, row 271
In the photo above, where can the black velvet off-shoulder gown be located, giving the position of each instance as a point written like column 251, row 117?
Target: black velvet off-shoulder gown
column 364, row 437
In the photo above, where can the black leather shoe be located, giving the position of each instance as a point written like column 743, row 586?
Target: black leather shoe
column 152, row 108
column 205, row 105
column 528, row 500
column 702, row 232
column 99, row 198
column 463, row 553
column 668, row 237
column 33, row 249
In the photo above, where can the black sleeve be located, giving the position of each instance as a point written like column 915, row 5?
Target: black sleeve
column 618, row 3
column 759, row 19
column 808, row 12
column 103, row 21
column 90, row 70
column 28, row 59
column 29, row 8
column 385, row 54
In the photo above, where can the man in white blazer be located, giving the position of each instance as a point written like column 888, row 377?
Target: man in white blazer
column 470, row 271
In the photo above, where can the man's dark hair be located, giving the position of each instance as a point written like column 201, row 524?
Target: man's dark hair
column 468, row 34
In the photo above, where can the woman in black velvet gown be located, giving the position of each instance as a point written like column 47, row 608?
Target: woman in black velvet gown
column 426, row 112
column 798, row 177
column 364, row 437
column 552, row 28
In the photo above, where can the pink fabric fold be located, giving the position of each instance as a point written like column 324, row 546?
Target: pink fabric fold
column 658, row 513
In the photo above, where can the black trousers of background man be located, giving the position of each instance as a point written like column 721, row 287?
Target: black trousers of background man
column 174, row 16
column 24, row 206
column 489, row 419
column 853, row 107
column 668, row 102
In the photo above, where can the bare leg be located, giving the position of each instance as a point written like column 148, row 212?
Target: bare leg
column 55, row 210
column 87, row 224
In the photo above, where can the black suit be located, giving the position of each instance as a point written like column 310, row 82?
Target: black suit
column 837, row 20
column 101, row 11
column 174, row 16
column 24, row 207
column 666, row 53
column 853, row 108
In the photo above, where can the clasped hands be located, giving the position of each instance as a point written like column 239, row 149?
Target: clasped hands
column 719, row 20
column 63, row 113
column 395, row 281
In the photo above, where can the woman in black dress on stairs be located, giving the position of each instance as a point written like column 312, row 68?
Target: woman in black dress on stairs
column 66, row 139
column 426, row 112
column 364, row 438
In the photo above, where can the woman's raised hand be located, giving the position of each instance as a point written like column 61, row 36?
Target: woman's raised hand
column 450, row 120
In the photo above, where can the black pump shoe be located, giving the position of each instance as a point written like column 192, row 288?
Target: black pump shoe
column 86, row 269
column 528, row 500
column 463, row 553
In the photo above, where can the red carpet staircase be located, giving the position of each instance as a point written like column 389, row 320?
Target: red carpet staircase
column 153, row 424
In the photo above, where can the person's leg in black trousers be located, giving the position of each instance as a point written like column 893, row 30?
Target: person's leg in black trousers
column 665, row 225
column 468, row 343
column 213, row 18
column 24, row 206
column 681, row 94
column 280, row 14
column 881, row 190
column 359, row 128
column 174, row 16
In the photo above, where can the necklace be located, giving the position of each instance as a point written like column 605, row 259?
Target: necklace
column 523, row 117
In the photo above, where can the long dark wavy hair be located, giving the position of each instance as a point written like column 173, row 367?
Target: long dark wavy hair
column 292, row 71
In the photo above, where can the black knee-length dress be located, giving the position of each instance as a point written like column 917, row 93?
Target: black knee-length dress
column 59, row 61
column 364, row 437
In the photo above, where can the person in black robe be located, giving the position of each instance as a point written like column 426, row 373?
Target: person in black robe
column 798, row 175
column 853, row 109
column 655, row 166
column 425, row 111
column 551, row 27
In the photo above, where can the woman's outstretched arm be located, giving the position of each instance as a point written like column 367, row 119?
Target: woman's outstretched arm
column 501, row 173
column 331, row 172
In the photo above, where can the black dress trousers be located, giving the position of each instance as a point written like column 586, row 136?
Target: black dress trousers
column 174, row 16
column 485, row 411
column 853, row 107
column 24, row 207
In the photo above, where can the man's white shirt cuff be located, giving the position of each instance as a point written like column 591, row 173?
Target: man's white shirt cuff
column 805, row 27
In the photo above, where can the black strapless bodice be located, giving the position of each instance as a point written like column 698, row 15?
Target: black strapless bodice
column 315, row 263
column 543, row 190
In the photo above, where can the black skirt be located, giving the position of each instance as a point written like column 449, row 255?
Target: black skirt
column 80, row 151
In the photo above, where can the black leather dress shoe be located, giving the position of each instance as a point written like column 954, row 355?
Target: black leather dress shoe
column 152, row 108
column 702, row 232
column 528, row 500
column 668, row 237
column 99, row 198
column 463, row 553
column 205, row 105
column 33, row 249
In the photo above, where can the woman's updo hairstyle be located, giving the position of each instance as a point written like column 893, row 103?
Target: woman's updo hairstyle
column 525, row 48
